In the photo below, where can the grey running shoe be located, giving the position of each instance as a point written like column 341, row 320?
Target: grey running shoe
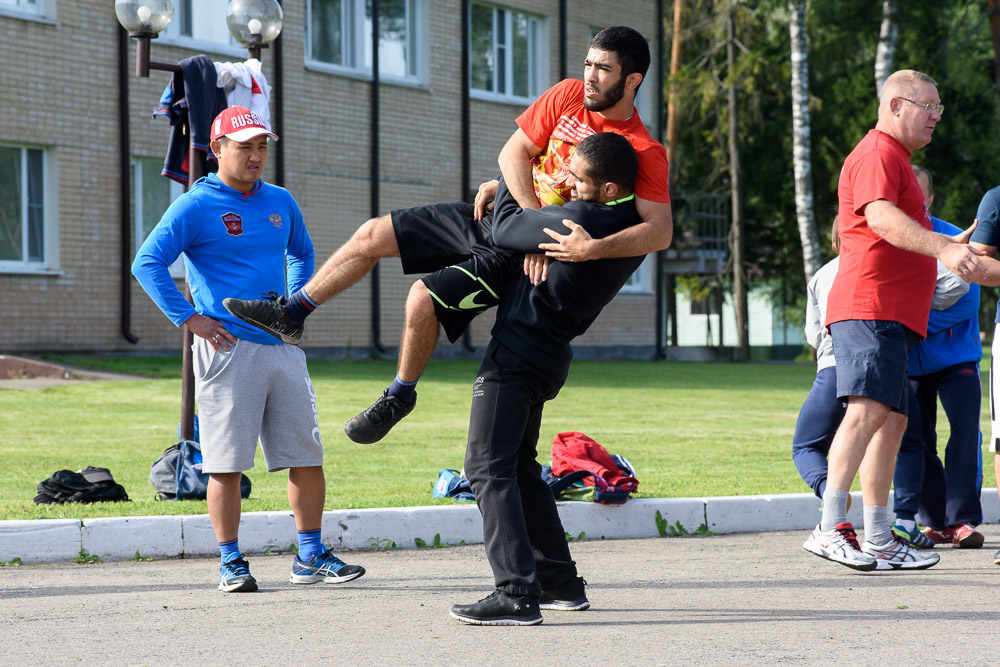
column 269, row 315
column 499, row 608
column 571, row 596
column 375, row 423
column 841, row 546
column 996, row 557
column 898, row 555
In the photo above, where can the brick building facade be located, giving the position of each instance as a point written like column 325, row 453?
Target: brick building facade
column 61, row 172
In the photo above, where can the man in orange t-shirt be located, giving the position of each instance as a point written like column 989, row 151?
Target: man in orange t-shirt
column 878, row 307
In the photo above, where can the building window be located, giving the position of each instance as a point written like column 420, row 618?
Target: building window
column 340, row 37
column 31, row 7
column 507, row 54
column 706, row 304
column 201, row 24
column 23, row 209
column 642, row 279
column 152, row 194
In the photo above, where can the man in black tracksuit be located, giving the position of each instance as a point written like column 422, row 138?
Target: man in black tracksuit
column 524, row 366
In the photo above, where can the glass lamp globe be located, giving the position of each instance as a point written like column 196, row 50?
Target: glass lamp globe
column 254, row 22
column 144, row 17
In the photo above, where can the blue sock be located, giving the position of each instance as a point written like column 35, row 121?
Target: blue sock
column 403, row 391
column 310, row 544
column 299, row 306
column 230, row 550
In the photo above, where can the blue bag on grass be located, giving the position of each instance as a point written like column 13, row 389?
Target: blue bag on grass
column 177, row 474
column 451, row 484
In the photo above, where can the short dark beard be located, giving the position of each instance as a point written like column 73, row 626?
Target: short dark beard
column 611, row 97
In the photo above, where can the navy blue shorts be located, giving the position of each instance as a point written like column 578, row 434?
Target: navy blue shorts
column 871, row 360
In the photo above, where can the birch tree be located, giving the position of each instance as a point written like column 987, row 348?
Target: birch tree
column 886, row 49
column 801, row 137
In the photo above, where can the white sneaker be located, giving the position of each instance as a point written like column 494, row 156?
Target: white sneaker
column 841, row 546
column 898, row 555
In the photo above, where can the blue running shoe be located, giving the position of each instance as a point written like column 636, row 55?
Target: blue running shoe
column 325, row 567
column 236, row 577
column 913, row 538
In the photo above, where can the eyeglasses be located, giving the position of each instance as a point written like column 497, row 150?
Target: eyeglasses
column 927, row 107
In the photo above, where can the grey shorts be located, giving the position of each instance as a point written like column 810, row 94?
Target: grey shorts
column 871, row 360
column 255, row 392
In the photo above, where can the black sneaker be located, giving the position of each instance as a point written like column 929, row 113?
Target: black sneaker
column 500, row 608
column 269, row 315
column 375, row 423
column 571, row 596
column 235, row 577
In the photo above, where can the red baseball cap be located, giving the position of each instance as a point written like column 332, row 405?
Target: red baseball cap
column 240, row 124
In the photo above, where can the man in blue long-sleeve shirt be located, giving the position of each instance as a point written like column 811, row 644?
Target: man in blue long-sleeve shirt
column 238, row 234
column 944, row 365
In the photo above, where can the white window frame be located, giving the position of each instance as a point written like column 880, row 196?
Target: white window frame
column 356, row 44
column 641, row 282
column 538, row 49
column 29, row 9
column 50, row 216
column 221, row 42
column 177, row 269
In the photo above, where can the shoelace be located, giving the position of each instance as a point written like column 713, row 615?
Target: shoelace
column 852, row 537
column 381, row 410
column 491, row 595
column 238, row 567
column 328, row 557
column 269, row 296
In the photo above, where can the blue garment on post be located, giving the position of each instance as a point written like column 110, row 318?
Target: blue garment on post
column 234, row 244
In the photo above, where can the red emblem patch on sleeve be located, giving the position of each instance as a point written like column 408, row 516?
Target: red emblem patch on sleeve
column 234, row 224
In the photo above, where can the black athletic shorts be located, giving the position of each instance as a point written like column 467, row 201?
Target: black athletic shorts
column 468, row 275
column 434, row 236
column 463, row 291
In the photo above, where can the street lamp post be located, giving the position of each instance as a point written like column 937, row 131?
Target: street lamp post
column 255, row 24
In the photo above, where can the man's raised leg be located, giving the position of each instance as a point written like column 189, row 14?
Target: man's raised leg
column 420, row 337
column 372, row 241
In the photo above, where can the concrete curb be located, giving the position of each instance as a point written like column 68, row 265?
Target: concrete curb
column 121, row 538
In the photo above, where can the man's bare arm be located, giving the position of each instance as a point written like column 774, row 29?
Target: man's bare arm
column 655, row 232
column 902, row 231
column 992, row 265
column 515, row 165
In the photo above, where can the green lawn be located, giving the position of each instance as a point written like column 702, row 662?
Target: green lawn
column 691, row 429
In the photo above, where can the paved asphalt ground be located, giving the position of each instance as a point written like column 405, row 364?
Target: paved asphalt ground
column 755, row 598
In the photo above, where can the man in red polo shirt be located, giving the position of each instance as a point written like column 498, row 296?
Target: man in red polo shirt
column 878, row 307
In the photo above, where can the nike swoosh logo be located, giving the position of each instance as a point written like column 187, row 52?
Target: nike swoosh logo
column 469, row 302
